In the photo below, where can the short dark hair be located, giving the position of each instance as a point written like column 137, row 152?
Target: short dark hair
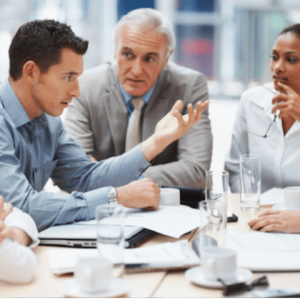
column 42, row 41
column 295, row 28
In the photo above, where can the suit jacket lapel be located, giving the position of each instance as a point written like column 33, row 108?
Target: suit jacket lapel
column 158, row 104
column 116, row 111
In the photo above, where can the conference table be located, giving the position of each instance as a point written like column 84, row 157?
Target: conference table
column 152, row 284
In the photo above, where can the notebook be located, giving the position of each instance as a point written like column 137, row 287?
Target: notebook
column 84, row 236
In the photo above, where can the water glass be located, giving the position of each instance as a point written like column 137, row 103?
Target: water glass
column 213, row 223
column 216, row 185
column 110, row 235
column 250, row 181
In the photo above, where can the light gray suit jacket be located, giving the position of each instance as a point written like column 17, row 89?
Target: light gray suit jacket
column 97, row 120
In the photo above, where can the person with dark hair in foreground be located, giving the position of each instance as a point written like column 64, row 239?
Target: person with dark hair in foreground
column 17, row 230
column 276, row 139
column 46, row 59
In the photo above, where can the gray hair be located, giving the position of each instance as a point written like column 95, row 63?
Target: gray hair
column 147, row 19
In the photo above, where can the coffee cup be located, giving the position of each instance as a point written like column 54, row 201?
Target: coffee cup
column 218, row 263
column 169, row 196
column 93, row 274
column 292, row 198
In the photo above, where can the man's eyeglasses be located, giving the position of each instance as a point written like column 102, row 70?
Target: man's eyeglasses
column 271, row 127
column 242, row 287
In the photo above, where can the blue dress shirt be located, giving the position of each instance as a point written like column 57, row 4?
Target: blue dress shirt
column 126, row 97
column 33, row 151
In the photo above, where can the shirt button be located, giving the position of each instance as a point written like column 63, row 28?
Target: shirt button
column 35, row 170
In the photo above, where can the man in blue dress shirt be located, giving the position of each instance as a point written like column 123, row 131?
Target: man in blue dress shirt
column 46, row 59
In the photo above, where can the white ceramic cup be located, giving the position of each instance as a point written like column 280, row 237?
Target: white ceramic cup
column 292, row 197
column 219, row 263
column 93, row 274
column 169, row 196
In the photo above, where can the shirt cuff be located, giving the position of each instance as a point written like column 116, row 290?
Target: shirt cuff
column 138, row 159
column 95, row 198
column 19, row 219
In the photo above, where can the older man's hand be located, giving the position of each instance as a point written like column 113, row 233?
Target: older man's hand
column 171, row 127
column 142, row 193
column 274, row 220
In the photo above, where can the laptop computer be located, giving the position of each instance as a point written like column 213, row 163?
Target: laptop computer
column 84, row 236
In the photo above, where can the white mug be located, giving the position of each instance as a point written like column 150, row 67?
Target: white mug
column 93, row 274
column 292, row 197
column 169, row 196
column 218, row 263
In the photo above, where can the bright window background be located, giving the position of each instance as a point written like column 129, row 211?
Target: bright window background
column 227, row 40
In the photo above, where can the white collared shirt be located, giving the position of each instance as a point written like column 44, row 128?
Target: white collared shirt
column 18, row 262
column 280, row 154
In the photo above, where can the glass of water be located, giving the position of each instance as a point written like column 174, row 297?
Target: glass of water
column 213, row 223
column 216, row 185
column 250, row 181
column 110, row 235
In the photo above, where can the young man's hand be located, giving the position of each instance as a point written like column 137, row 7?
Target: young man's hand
column 142, row 193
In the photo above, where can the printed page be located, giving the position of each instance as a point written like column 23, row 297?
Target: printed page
column 173, row 221
column 64, row 260
column 272, row 196
column 269, row 261
column 264, row 241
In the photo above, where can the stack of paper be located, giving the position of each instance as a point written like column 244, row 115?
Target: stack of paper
column 262, row 251
column 272, row 196
column 178, row 253
column 173, row 221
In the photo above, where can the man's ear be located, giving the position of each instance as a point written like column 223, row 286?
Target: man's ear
column 167, row 58
column 31, row 72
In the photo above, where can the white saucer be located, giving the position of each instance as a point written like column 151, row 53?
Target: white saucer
column 117, row 287
column 196, row 276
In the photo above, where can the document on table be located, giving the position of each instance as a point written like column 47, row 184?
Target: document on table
column 173, row 221
column 63, row 261
column 272, row 196
column 262, row 251
column 264, row 241
column 269, row 261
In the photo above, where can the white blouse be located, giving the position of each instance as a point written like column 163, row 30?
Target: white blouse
column 280, row 154
column 18, row 262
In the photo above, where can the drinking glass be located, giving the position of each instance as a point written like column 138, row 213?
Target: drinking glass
column 250, row 181
column 213, row 223
column 216, row 185
column 110, row 235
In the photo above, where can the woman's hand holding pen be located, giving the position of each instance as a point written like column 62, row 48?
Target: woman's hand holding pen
column 287, row 102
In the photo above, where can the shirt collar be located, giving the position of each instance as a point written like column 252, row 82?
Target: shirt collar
column 146, row 97
column 263, row 98
column 14, row 108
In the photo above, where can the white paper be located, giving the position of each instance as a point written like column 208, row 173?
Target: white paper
column 64, row 260
column 173, row 221
column 272, row 196
column 269, row 261
column 264, row 241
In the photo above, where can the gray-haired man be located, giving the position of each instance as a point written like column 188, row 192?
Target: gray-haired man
column 109, row 117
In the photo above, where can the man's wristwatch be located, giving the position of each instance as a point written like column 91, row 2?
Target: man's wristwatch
column 112, row 196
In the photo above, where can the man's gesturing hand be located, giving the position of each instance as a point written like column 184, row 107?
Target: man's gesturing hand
column 143, row 193
column 171, row 127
